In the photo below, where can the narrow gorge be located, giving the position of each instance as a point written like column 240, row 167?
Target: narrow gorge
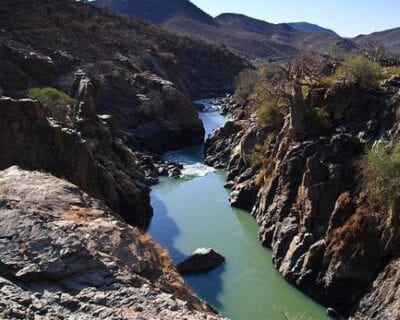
column 125, row 194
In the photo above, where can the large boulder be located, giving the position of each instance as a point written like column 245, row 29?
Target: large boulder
column 200, row 261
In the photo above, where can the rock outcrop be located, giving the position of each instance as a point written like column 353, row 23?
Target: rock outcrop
column 87, row 151
column 66, row 255
column 309, row 206
column 162, row 117
column 200, row 261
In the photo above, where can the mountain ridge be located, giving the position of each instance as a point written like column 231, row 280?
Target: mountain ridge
column 245, row 36
column 248, row 37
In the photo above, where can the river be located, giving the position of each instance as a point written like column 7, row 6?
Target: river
column 194, row 211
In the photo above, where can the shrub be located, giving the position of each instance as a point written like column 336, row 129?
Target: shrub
column 361, row 71
column 58, row 103
column 257, row 156
column 380, row 168
column 391, row 71
column 270, row 115
column 245, row 83
column 50, row 96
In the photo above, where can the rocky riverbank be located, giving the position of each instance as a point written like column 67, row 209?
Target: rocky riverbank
column 307, row 200
column 67, row 255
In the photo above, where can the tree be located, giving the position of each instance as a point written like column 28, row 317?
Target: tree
column 285, row 83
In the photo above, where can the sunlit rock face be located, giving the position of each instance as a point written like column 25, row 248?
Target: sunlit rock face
column 65, row 254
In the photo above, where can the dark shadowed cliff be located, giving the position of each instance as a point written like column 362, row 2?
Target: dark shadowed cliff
column 146, row 75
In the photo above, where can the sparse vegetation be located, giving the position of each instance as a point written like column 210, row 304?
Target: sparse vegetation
column 257, row 155
column 245, row 84
column 391, row 71
column 59, row 104
column 360, row 71
column 380, row 168
column 269, row 114
column 50, row 96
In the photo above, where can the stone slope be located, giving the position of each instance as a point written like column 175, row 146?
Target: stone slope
column 65, row 255
column 308, row 203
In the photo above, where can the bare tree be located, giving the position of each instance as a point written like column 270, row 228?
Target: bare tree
column 285, row 82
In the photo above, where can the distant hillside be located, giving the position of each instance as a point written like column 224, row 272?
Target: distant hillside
column 389, row 38
column 158, row 11
column 313, row 28
column 248, row 37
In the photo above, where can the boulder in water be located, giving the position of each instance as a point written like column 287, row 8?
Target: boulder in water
column 201, row 260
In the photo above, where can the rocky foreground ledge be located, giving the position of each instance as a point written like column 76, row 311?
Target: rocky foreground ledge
column 66, row 255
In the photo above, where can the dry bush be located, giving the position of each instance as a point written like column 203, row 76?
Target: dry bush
column 360, row 71
column 355, row 228
column 245, row 83
column 380, row 170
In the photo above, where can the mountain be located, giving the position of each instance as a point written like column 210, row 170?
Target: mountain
column 313, row 28
column 389, row 38
column 248, row 37
column 157, row 11
column 147, row 75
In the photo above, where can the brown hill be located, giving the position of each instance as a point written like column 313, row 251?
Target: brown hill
column 248, row 37
column 389, row 38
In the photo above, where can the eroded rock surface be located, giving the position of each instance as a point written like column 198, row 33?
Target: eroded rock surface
column 88, row 152
column 308, row 203
column 65, row 255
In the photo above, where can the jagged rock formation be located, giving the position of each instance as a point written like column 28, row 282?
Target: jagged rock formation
column 309, row 206
column 146, row 74
column 66, row 255
column 87, row 151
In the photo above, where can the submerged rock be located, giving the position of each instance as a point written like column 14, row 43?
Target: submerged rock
column 201, row 260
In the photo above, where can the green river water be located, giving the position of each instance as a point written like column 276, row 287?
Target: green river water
column 194, row 211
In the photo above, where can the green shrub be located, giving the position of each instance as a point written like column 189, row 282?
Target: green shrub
column 50, row 96
column 361, row 71
column 57, row 103
column 380, row 168
column 270, row 115
column 257, row 156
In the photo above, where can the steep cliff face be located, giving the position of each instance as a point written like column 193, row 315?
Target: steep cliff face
column 147, row 75
column 80, row 146
column 309, row 205
column 66, row 255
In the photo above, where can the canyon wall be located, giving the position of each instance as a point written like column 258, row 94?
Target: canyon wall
column 308, row 201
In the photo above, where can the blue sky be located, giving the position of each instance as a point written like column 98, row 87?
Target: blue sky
column 347, row 17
